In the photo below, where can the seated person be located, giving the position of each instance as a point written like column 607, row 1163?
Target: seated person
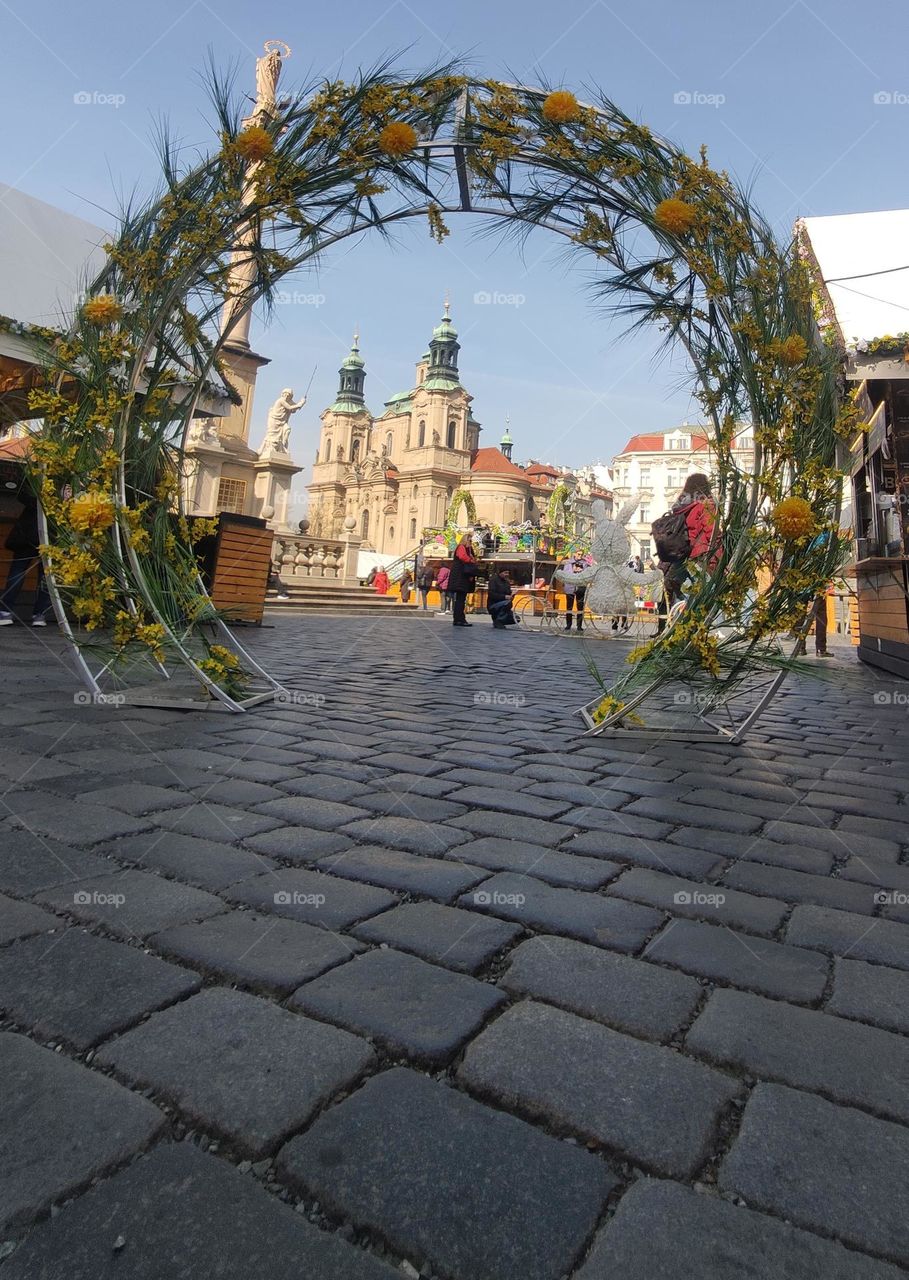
column 498, row 599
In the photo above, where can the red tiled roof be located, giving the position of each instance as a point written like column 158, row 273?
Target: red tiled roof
column 491, row 461
column 654, row 443
column 540, row 469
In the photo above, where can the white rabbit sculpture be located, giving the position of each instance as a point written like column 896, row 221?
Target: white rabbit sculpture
column 609, row 581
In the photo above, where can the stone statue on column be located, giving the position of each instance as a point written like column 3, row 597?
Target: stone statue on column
column 268, row 71
column 277, row 428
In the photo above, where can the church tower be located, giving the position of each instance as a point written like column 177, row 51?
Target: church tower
column 347, row 421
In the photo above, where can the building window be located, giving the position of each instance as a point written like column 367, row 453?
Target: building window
column 328, row 449
column 364, row 524
column 645, row 475
column 416, row 491
column 232, row 496
column 355, row 450
column 421, row 437
column 644, row 516
column 388, row 444
column 413, row 530
column 645, row 552
column 672, row 479
column 451, row 434
column 391, row 533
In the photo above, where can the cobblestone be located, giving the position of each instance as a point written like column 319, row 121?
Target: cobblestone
column 461, row 940
column 844, row 934
column 701, row 901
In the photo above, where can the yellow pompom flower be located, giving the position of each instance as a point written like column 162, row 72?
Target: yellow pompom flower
column 561, row 107
column 793, row 519
column 675, row 216
column 397, row 138
column 104, row 309
column 793, row 350
column 91, row 512
column 254, row 143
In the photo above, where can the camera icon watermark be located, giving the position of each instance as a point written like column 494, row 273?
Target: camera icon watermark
column 94, row 898
column 891, row 898
column 495, row 698
column 695, row 98
column 890, row 698
column 890, row 98
column 92, row 98
column 294, row 898
column 495, row 298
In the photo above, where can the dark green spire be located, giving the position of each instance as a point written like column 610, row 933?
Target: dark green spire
column 352, row 377
column 442, row 373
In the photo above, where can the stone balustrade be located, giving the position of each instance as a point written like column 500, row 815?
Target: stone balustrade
column 299, row 557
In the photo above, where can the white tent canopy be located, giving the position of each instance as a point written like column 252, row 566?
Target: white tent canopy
column 864, row 262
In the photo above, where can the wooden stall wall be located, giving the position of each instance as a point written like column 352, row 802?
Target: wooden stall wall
column 240, row 566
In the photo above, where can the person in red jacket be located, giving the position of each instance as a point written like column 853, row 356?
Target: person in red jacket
column 462, row 578
column 380, row 581
column 697, row 504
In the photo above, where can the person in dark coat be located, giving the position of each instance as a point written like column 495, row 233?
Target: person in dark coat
column 462, row 578
column 22, row 540
column 425, row 579
column 498, row 600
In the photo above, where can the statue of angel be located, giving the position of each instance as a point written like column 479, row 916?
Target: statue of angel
column 277, row 429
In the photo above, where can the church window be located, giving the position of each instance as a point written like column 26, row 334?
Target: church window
column 416, row 490
column 388, row 443
column 391, row 533
column 232, row 496
column 328, row 449
column 355, row 451
column 413, row 529
column 451, row 434
column 421, row 436
column 364, row 524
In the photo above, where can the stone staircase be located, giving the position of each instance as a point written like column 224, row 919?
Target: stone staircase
column 312, row 595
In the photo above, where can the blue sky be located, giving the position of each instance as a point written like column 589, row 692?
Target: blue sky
column 782, row 92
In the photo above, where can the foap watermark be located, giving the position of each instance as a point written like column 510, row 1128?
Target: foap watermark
column 294, row 898
column 94, row 898
column 85, row 699
column 891, row 898
column 289, row 697
column 697, row 898
column 691, row 698
column 298, row 298
column 93, row 98
column 487, row 898
column 890, row 698
column 891, row 98
column 495, row 698
column 495, row 298
column 695, row 98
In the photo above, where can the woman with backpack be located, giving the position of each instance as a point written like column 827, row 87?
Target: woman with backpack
column 462, row 578
column 684, row 536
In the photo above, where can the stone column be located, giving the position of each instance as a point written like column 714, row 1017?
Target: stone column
column 352, row 542
column 204, row 462
column 274, row 473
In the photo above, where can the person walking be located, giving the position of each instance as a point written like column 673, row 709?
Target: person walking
column 425, row 580
column 22, row 540
column 685, row 540
column 406, row 584
column 575, row 595
column 445, row 596
column 462, row 578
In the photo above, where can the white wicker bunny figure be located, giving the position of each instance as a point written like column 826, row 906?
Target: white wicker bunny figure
column 609, row 581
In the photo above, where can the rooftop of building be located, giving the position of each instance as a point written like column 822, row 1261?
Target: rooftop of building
column 492, row 461
column 654, row 441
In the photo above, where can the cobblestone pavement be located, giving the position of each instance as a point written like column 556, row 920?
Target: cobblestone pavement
column 403, row 976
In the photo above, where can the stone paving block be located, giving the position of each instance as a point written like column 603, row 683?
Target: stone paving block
column 257, row 770
column 138, row 798
column 892, row 829
column 845, row 934
column 81, row 989
column 626, row 994
column 838, row 843
column 535, row 859
column 846, row 1061
column 415, row 784
column 21, row 920
column 131, row 903
column 264, row 951
column 453, row 1185
column 413, row 1009
column 549, row 773
column 297, row 844
column 410, row 834
column 28, row 768
column 310, row 896
column 213, row 821
column 51, row 1150
column 385, row 800
column 309, row 811
column 325, row 786
column 405, row 762
column 236, row 791
column 792, row 808
column 646, row 853
column 871, row 993
column 512, row 826
column 504, row 800
column 741, row 960
column 69, row 821
column 756, row 849
column 644, row 1101
column 184, row 1215
column 406, row 872
column 831, row 1169
column 621, row 926
column 239, row 1066
column 203, row 863
column 462, row 940
column 796, row 886
column 672, row 811
column 480, row 777
column 877, row 872
column 701, row 901
column 656, row 1222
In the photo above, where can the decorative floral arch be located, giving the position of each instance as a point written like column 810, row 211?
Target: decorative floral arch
column 557, row 509
column 461, row 498
column 672, row 242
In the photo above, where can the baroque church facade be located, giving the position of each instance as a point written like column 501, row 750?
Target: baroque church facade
column 396, row 474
